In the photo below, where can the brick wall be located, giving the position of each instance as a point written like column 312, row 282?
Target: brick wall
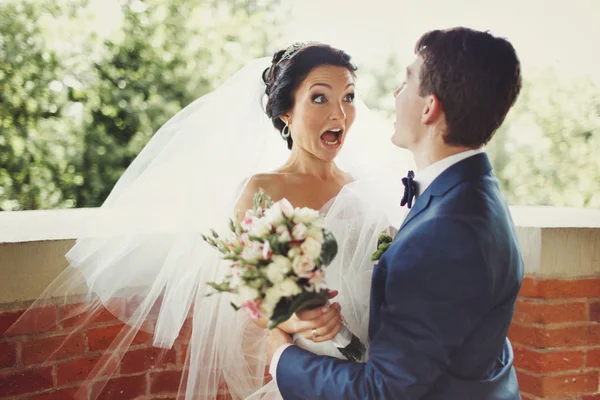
column 33, row 366
column 555, row 333
column 556, row 336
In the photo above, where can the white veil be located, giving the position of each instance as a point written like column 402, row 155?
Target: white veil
column 151, row 267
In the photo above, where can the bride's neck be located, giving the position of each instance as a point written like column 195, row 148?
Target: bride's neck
column 302, row 162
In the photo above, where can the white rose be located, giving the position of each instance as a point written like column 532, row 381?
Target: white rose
column 287, row 288
column 316, row 233
column 278, row 268
column 246, row 293
column 311, row 248
column 252, row 251
column 318, row 223
column 274, row 215
column 305, row 216
column 283, row 234
column 294, row 252
column 267, row 307
column 283, row 262
column 274, row 273
column 303, row 266
column 299, row 232
column 286, row 208
column 260, row 227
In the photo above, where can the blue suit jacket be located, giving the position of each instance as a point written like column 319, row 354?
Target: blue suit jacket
column 442, row 298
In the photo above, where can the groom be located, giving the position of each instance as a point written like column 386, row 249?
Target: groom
column 443, row 294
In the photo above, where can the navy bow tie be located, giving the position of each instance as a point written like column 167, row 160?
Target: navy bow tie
column 410, row 190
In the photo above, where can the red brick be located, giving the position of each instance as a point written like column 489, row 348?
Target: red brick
column 40, row 350
column 8, row 355
column 186, row 330
column 123, row 388
column 27, row 381
column 544, row 313
column 566, row 336
column 560, row 288
column 593, row 358
column 132, row 304
column 61, row 394
column 558, row 385
column 165, row 382
column 85, row 314
column 595, row 311
column 78, row 370
column 101, row 338
column 146, row 359
column 182, row 350
column 544, row 362
column 35, row 320
column 571, row 384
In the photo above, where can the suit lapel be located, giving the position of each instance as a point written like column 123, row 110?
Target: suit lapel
column 467, row 169
column 420, row 205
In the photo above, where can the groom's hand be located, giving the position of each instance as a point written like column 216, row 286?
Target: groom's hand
column 320, row 324
column 275, row 339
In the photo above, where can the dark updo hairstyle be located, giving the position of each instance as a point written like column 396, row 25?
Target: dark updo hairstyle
column 289, row 68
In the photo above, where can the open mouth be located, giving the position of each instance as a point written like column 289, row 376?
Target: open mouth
column 332, row 137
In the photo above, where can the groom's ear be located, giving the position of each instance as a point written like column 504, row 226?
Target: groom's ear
column 432, row 110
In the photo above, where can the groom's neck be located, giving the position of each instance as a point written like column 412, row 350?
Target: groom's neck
column 428, row 155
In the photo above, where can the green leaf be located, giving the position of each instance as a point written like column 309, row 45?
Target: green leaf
column 329, row 249
column 304, row 301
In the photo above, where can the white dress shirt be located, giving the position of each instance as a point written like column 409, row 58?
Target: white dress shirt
column 423, row 178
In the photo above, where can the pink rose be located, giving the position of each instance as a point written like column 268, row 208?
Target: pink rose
column 316, row 279
column 286, row 208
column 303, row 266
column 252, row 308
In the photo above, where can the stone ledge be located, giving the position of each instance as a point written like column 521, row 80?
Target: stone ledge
column 556, row 242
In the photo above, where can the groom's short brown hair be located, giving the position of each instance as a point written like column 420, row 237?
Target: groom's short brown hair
column 477, row 78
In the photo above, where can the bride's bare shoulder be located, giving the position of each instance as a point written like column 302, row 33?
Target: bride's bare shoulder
column 267, row 182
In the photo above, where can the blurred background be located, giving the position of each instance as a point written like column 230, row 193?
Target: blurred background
column 85, row 83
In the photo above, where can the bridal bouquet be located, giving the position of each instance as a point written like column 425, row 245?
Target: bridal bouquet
column 278, row 256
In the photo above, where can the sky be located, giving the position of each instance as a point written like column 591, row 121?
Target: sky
column 560, row 34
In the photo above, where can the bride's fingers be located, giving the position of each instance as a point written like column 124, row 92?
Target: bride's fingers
column 322, row 320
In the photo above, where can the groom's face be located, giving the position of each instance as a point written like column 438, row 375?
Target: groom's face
column 408, row 129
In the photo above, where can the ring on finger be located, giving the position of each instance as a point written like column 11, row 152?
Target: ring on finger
column 314, row 334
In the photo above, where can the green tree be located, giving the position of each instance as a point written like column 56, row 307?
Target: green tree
column 35, row 139
column 167, row 54
column 547, row 151
column 73, row 117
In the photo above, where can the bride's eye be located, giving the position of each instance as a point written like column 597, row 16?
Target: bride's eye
column 319, row 98
column 349, row 97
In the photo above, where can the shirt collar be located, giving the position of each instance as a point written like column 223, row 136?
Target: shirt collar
column 425, row 177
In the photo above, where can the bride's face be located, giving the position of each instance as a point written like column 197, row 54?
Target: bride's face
column 323, row 111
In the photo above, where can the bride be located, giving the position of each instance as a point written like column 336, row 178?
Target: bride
column 186, row 181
